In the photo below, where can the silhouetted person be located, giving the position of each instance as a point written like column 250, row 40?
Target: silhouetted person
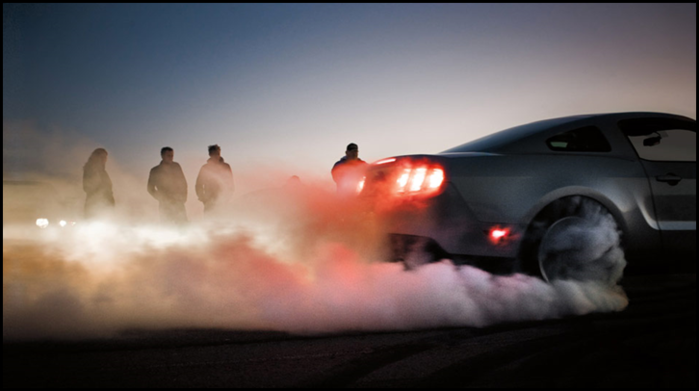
column 215, row 180
column 167, row 184
column 97, row 185
column 349, row 171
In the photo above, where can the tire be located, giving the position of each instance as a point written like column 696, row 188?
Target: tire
column 573, row 238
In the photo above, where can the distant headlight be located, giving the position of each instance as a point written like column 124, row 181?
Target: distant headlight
column 42, row 223
column 62, row 223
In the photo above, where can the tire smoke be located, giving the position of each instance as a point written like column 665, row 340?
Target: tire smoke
column 299, row 262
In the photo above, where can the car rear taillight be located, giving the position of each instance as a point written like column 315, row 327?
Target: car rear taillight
column 435, row 179
column 419, row 178
column 385, row 161
column 404, row 177
column 360, row 185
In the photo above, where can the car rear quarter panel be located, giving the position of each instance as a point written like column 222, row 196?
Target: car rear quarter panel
column 511, row 189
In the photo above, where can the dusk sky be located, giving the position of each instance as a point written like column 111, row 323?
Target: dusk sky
column 289, row 86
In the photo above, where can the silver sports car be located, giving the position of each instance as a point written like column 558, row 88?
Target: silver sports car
column 501, row 202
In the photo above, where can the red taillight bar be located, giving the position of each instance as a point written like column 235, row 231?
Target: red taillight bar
column 384, row 161
column 410, row 176
column 420, row 180
column 360, row 185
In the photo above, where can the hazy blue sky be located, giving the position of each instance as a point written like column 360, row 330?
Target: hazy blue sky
column 291, row 85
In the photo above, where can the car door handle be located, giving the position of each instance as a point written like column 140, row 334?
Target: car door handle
column 670, row 178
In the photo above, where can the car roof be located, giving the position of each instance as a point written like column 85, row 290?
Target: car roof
column 497, row 141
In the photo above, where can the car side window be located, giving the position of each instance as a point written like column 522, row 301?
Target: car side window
column 672, row 145
column 587, row 139
column 657, row 140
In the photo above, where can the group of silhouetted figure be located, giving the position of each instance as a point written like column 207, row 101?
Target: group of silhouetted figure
column 167, row 183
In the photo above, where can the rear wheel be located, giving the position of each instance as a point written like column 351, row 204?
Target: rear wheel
column 574, row 238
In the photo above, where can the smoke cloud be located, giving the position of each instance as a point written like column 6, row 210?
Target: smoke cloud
column 287, row 256
column 303, row 263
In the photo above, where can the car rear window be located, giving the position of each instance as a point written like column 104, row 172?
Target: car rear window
column 586, row 139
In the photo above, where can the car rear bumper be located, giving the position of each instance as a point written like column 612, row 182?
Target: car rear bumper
column 448, row 221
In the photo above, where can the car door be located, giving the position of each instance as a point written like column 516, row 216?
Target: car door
column 667, row 151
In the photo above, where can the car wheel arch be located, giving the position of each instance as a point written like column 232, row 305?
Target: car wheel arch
column 537, row 222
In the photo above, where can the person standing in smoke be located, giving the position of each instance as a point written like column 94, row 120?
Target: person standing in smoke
column 167, row 184
column 349, row 171
column 215, row 180
column 97, row 185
